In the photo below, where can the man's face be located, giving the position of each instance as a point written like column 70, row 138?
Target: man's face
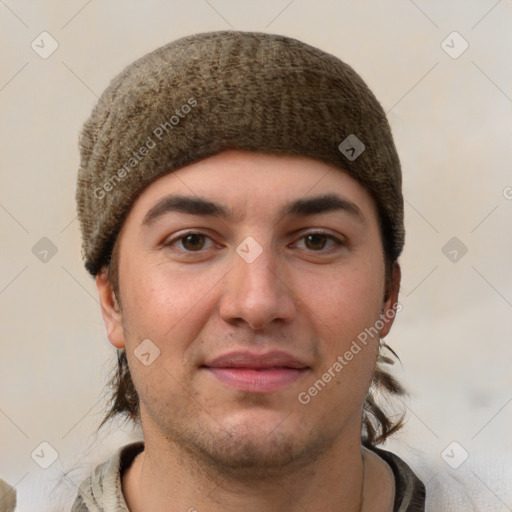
column 251, row 308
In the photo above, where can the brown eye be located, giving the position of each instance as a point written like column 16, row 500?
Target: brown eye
column 190, row 242
column 315, row 242
column 318, row 242
column 193, row 242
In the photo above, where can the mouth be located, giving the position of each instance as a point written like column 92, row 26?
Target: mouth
column 256, row 373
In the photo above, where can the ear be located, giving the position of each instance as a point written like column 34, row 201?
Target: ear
column 391, row 305
column 112, row 316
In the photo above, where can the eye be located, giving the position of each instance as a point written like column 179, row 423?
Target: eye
column 195, row 242
column 316, row 241
column 190, row 242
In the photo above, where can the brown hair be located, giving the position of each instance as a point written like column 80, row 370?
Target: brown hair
column 377, row 424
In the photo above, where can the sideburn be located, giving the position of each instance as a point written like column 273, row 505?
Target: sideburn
column 123, row 399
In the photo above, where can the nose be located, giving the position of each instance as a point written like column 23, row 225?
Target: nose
column 258, row 293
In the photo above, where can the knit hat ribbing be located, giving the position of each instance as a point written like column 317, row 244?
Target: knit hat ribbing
column 208, row 92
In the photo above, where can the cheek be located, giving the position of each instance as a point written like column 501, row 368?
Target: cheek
column 349, row 350
column 349, row 304
column 168, row 307
column 159, row 306
column 154, row 301
column 346, row 311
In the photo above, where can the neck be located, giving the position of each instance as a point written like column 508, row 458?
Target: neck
column 165, row 477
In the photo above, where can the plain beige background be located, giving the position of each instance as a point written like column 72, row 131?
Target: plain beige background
column 451, row 118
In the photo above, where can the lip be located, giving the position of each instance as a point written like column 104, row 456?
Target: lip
column 257, row 372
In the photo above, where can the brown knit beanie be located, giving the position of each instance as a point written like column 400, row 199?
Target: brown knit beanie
column 209, row 92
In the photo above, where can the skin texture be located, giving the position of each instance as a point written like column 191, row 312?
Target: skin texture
column 209, row 446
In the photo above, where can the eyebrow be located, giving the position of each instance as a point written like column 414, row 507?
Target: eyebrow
column 194, row 205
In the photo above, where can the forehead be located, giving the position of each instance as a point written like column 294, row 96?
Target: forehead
column 250, row 183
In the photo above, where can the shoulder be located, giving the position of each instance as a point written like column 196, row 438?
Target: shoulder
column 7, row 496
column 482, row 483
column 102, row 491
column 409, row 489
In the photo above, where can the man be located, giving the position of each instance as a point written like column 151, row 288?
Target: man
column 241, row 210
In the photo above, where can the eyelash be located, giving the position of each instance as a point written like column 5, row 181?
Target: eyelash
column 337, row 242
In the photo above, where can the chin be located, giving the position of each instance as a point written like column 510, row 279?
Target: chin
column 253, row 445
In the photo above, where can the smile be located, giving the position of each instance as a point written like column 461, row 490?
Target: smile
column 249, row 380
column 256, row 373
